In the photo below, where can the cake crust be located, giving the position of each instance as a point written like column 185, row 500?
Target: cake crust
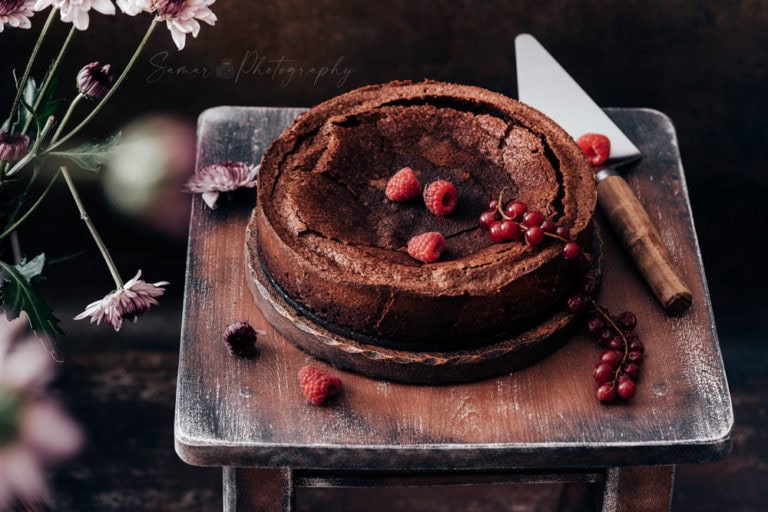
column 330, row 240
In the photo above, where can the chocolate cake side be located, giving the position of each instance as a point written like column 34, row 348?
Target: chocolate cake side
column 333, row 244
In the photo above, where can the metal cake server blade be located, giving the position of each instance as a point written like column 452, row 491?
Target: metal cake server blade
column 543, row 84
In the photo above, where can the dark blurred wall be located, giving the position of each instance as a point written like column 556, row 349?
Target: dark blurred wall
column 703, row 63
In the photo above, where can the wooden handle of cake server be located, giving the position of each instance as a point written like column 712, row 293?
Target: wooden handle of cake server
column 643, row 242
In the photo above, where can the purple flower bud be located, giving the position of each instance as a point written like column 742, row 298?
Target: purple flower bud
column 13, row 146
column 94, row 81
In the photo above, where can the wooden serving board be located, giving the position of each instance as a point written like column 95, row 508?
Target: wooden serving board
column 234, row 412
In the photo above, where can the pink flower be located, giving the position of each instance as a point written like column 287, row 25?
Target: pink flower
column 221, row 177
column 94, row 80
column 34, row 431
column 16, row 13
column 76, row 11
column 128, row 303
column 183, row 16
column 12, row 145
column 134, row 7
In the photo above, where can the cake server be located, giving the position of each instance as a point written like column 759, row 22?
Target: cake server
column 543, row 84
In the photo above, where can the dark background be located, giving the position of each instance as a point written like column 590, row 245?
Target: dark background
column 705, row 64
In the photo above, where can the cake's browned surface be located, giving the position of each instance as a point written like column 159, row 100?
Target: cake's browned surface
column 334, row 244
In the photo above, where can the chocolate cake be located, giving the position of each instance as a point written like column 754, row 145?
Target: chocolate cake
column 333, row 246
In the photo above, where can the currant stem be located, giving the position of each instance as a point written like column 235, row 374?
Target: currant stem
column 625, row 343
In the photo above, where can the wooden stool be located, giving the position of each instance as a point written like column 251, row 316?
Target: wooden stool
column 540, row 424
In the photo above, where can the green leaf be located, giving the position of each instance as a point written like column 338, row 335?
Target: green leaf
column 32, row 268
column 18, row 295
column 91, row 155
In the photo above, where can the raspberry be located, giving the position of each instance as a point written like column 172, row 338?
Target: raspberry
column 403, row 185
column 596, row 147
column 318, row 385
column 440, row 197
column 426, row 247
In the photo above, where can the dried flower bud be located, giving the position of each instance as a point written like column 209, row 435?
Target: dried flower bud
column 240, row 339
column 213, row 179
column 94, row 81
column 13, row 146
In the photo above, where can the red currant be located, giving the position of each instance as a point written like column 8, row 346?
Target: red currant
column 632, row 370
column 488, row 218
column 575, row 303
column 548, row 226
column 612, row 357
column 626, row 389
column 533, row 219
column 637, row 346
column 595, row 326
column 563, row 232
column 495, row 232
column 493, row 205
column 627, row 320
column 509, row 230
column 635, row 357
column 516, row 210
column 602, row 372
column 606, row 335
column 615, row 343
column 534, row 235
column 571, row 250
column 606, row 393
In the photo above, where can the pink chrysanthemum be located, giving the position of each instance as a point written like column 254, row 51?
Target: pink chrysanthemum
column 183, row 16
column 34, row 431
column 94, row 80
column 222, row 177
column 16, row 13
column 13, row 146
column 128, row 303
column 134, row 7
column 76, row 11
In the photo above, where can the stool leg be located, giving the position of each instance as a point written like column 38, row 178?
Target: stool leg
column 258, row 490
column 639, row 489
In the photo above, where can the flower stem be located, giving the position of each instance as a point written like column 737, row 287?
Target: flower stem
column 49, row 78
column 32, row 208
column 95, row 234
column 25, row 76
column 109, row 94
column 66, row 117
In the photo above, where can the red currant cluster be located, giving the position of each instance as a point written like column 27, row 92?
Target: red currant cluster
column 617, row 370
column 513, row 222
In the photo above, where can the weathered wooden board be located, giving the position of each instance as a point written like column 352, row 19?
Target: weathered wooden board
column 251, row 412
